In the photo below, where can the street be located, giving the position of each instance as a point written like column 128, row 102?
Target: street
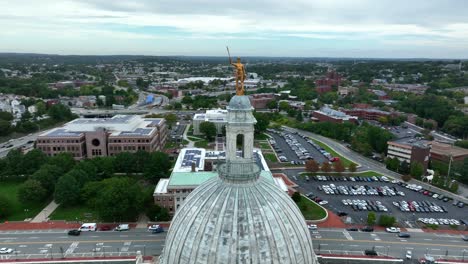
column 51, row 243
column 56, row 243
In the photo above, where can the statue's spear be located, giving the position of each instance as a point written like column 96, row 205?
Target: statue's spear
column 230, row 60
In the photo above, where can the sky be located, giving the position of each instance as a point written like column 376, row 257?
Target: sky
column 292, row 28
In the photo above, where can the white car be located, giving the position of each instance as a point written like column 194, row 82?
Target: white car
column 153, row 227
column 393, row 229
column 6, row 250
column 323, row 202
column 409, row 254
column 312, row 227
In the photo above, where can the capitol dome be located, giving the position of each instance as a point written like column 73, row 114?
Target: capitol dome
column 238, row 217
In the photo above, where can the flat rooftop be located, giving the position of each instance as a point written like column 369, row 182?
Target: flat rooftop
column 119, row 125
column 334, row 113
column 411, row 141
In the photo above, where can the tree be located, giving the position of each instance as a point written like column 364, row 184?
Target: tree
column 464, row 171
column 299, row 116
column 263, row 121
column 325, row 167
column 392, row 163
column 59, row 112
column 371, row 218
column 47, row 176
column 157, row 213
column 33, row 160
column 404, row 167
column 158, row 167
column 352, row 167
column 311, row 166
column 64, row 160
column 187, row 100
column 386, row 221
column 209, row 129
column 67, row 190
column 31, row 191
column 124, row 162
column 284, row 106
column 296, row 197
column 272, row 104
column 6, row 207
column 14, row 161
column 5, row 127
column 119, row 199
column 338, row 166
column 171, row 119
column 416, row 170
column 6, row 116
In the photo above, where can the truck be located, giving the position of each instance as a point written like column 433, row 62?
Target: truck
column 122, row 227
column 88, row 227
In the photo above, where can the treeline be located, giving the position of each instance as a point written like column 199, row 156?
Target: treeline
column 118, row 187
column 364, row 139
column 30, row 123
column 200, row 101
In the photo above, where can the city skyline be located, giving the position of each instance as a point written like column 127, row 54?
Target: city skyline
column 391, row 29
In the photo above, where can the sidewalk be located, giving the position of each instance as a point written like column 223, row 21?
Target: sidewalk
column 43, row 216
column 191, row 144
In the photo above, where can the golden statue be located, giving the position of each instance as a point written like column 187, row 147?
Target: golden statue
column 240, row 74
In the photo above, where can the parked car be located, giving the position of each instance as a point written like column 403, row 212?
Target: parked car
column 74, row 232
column 352, row 229
column 122, row 227
column 6, row 250
column 105, row 228
column 370, row 252
column 155, row 229
column 323, row 202
column 367, row 229
column 465, row 238
column 404, row 235
column 312, row 227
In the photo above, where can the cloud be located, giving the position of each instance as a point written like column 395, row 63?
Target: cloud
column 386, row 22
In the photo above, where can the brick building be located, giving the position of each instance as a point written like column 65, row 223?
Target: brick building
column 326, row 84
column 410, row 150
column 326, row 114
column 91, row 137
column 442, row 152
column 260, row 101
column 368, row 113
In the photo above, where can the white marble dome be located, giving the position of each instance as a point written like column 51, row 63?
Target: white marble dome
column 225, row 221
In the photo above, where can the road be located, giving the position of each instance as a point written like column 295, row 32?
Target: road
column 339, row 241
column 368, row 164
column 51, row 243
column 18, row 142
column 47, row 244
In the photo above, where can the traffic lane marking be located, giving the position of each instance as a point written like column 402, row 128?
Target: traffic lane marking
column 395, row 242
column 85, row 241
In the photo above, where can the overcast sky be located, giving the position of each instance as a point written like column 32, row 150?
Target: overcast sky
column 303, row 28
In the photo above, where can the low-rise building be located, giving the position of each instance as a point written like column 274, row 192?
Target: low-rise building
column 216, row 116
column 260, row 101
column 345, row 91
column 443, row 152
column 409, row 149
column 91, row 137
column 368, row 113
column 326, row 114
column 195, row 166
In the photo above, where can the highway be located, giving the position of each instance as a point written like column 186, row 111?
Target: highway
column 51, row 243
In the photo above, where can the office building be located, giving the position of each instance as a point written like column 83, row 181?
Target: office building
column 93, row 137
column 216, row 116
column 409, row 149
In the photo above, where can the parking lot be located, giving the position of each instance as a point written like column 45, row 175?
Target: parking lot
column 295, row 148
column 357, row 196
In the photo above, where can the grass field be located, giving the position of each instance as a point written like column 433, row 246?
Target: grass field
column 75, row 213
column 20, row 211
column 311, row 210
column 194, row 138
column 344, row 160
column 264, row 145
column 270, row 157
column 201, row 144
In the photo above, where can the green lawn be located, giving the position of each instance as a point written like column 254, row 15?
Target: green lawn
column 170, row 144
column 264, row 145
column 311, row 210
column 344, row 160
column 75, row 213
column 201, row 144
column 194, row 138
column 270, row 157
column 20, row 211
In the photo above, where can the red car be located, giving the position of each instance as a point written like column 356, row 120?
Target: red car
column 105, row 228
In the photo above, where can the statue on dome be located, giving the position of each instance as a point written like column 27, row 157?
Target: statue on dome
column 240, row 74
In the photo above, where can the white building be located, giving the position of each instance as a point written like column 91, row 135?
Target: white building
column 216, row 116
